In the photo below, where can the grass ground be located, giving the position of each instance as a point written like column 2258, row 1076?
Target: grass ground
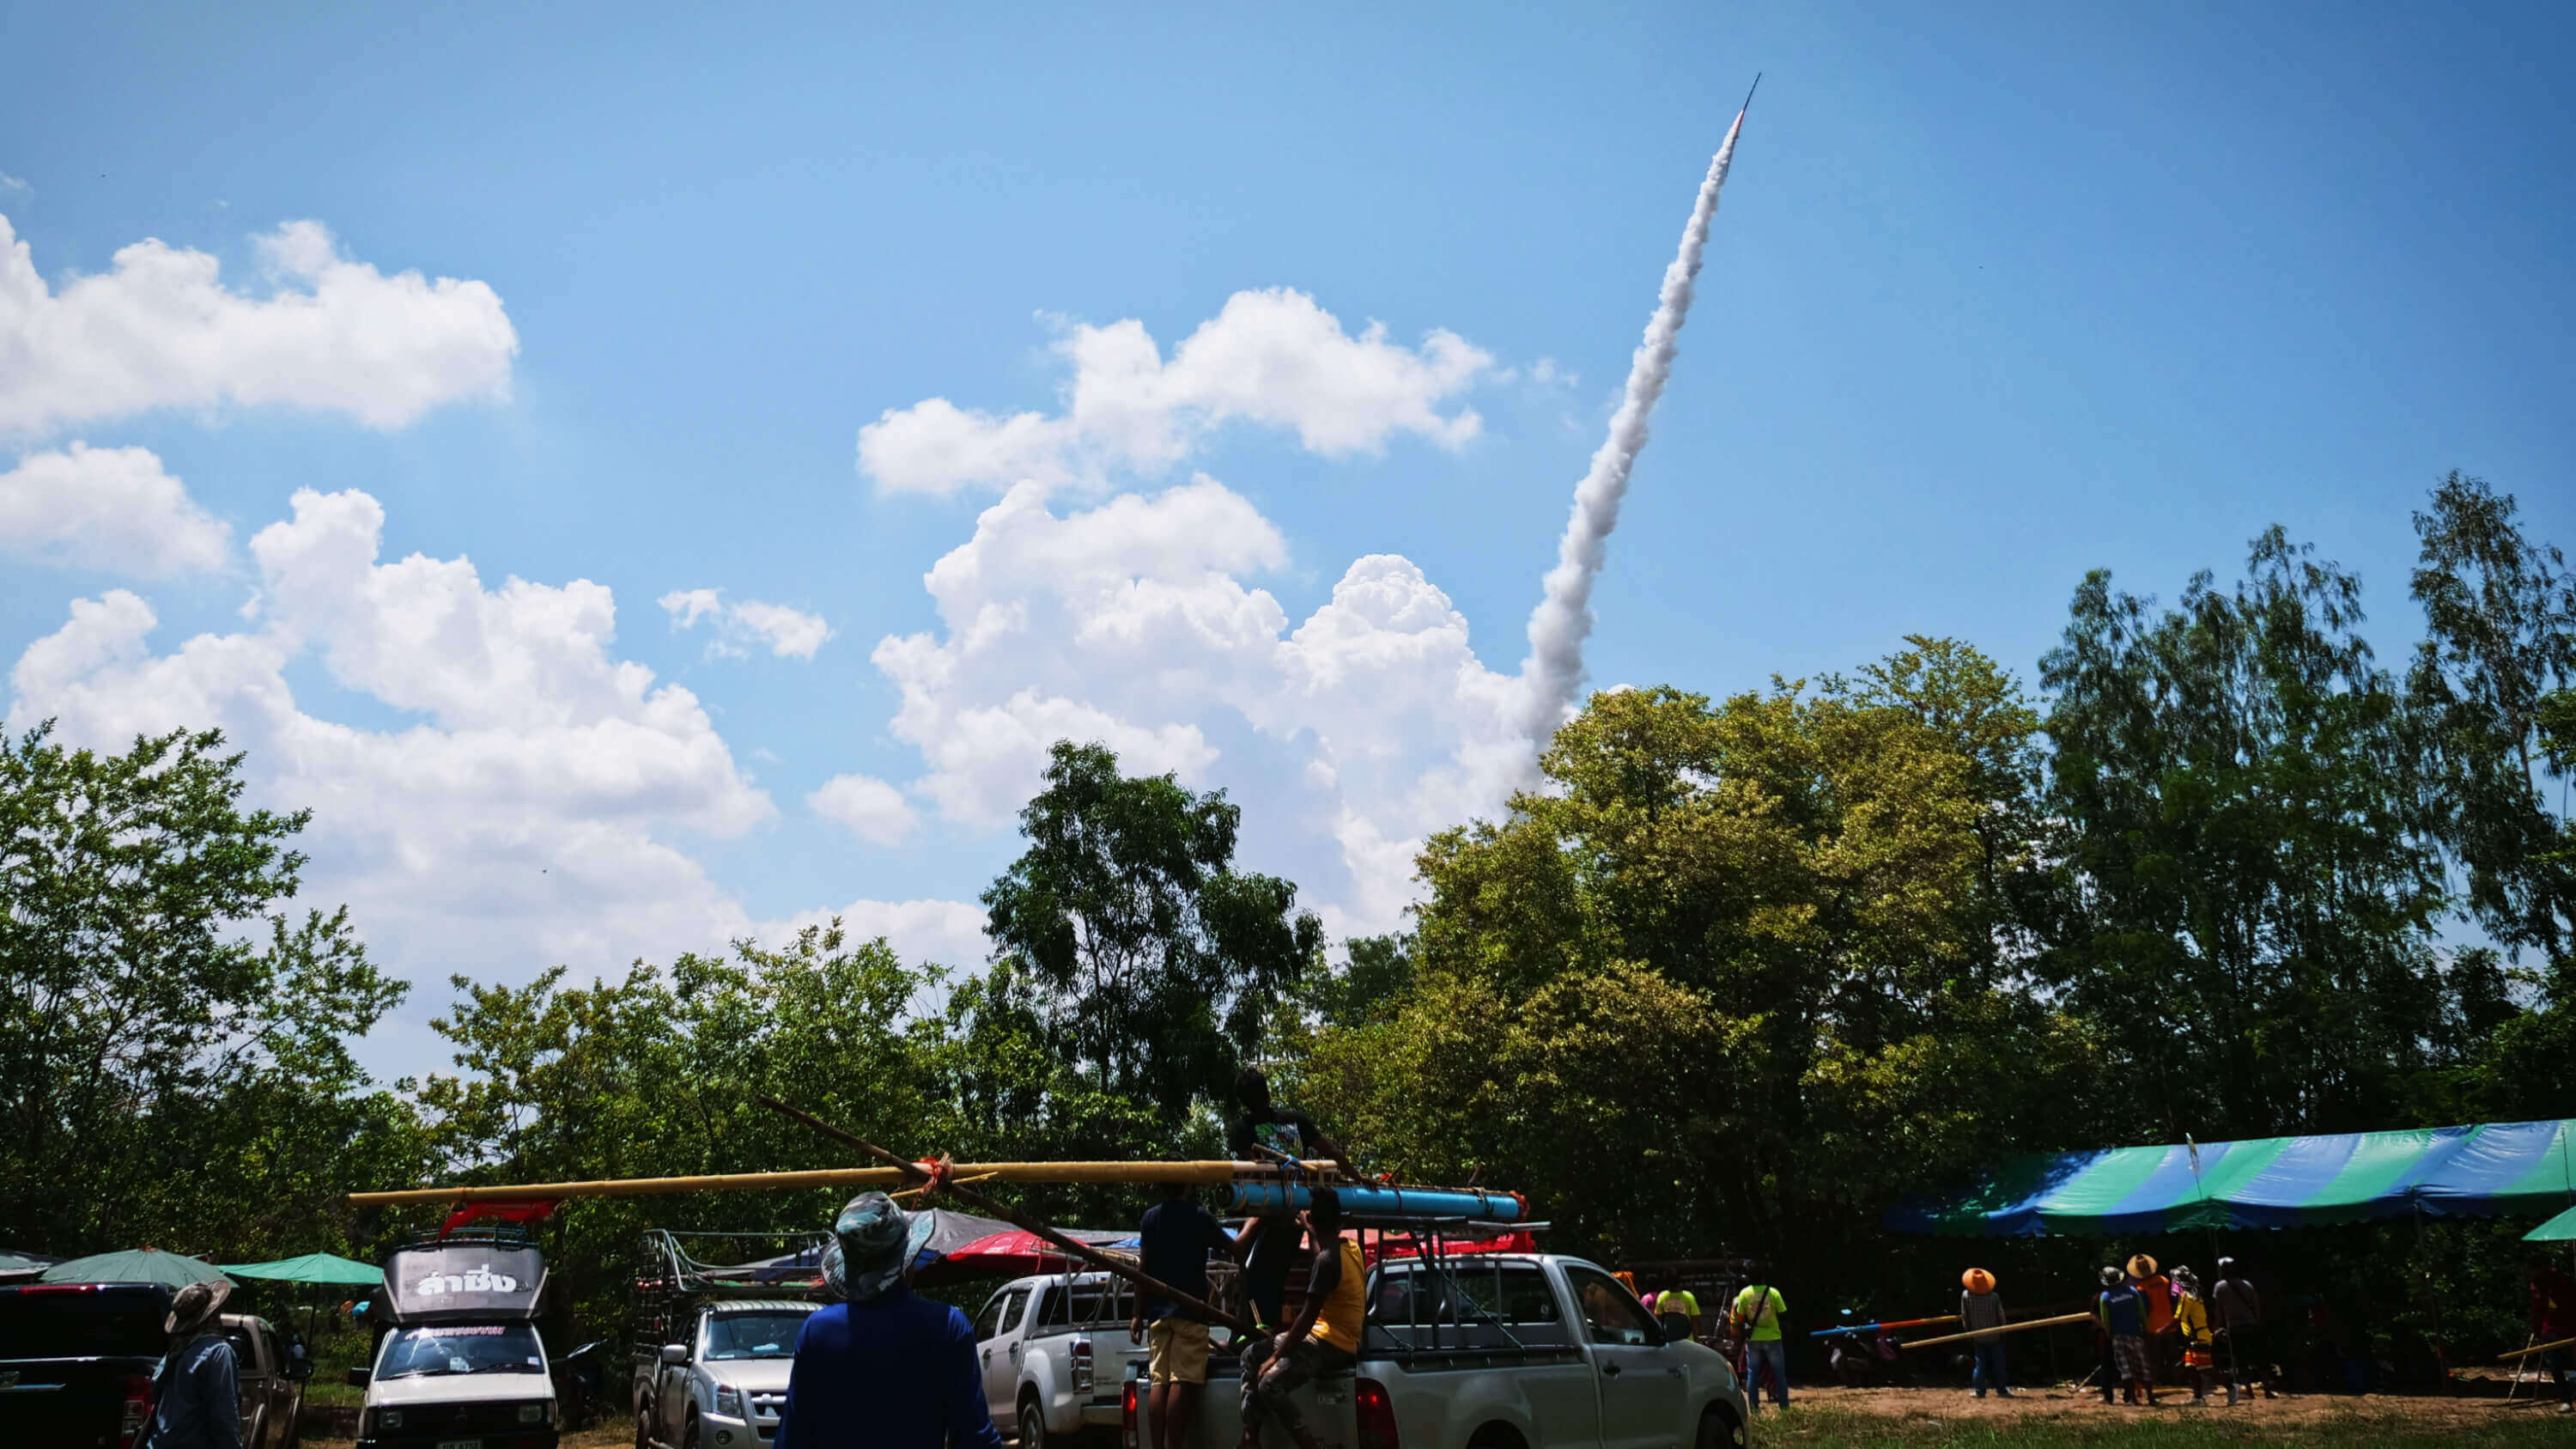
column 2039, row 1418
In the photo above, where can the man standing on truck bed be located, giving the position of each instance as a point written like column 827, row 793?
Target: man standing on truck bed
column 1325, row 1339
column 1174, row 1243
column 197, row 1392
column 1266, row 1127
column 883, row 1369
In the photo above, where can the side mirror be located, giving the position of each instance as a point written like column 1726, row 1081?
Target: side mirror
column 358, row 1378
column 1676, row 1327
column 298, row 1368
column 675, row 1353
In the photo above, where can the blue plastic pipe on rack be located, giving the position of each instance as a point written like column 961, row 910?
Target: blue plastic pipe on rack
column 1470, row 1204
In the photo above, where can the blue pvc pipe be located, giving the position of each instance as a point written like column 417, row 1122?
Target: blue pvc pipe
column 1391, row 1202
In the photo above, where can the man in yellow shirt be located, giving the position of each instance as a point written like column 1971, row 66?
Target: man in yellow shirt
column 1756, row 1319
column 1325, row 1338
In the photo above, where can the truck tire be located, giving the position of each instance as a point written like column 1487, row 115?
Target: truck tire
column 1032, row 1426
column 689, row 1431
column 1719, row 1430
column 644, row 1426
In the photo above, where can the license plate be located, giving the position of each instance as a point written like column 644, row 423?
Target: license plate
column 460, row 1444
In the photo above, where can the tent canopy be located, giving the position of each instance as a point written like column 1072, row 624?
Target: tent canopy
column 2268, row 1182
column 147, row 1265
column 2559, row 1229
column 312, row 1268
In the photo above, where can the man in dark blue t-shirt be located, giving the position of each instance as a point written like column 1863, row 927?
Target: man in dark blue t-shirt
column 885, row 1369
column 1173, row 1248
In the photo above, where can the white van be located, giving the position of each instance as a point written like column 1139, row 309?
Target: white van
column 462, row 1366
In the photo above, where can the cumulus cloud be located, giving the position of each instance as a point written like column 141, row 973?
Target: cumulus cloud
column 945, row 933
column 1269, row 357
column 107, row 508
column 869, row 807
column 160, row 329
column 1348, row 735
column 531, row 808
column 784, row 632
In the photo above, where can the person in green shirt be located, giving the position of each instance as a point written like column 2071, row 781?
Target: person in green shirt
column 1756, row 1319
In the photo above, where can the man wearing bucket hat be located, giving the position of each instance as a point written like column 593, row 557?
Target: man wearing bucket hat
column 196, row 1392
column 883, row 1367
column 1980, row 1306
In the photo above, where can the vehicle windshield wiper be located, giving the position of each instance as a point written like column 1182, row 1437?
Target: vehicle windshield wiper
column 504, row 1368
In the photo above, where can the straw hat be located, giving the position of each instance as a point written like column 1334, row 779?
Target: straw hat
column 2142, row 1267
column 1977, row 1280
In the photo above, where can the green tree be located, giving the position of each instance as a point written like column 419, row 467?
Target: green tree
column 1132, row 941
column 2500, row 642
column 174, row 1061
column 2249, row 897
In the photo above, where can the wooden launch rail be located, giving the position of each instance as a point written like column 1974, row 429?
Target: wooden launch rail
column 1025, row 1222
column 2007, row 1328
column 2538, row 1348
column 1204, row 1174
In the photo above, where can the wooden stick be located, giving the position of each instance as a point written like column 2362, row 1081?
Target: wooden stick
column 2539, row 1348
column 1097, row 1174
column 1023, row 1221
column 2007, row 1328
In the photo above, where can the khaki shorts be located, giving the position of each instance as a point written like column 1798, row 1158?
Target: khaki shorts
column 1180, row 1351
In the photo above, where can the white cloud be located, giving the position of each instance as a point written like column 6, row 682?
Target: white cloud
column 533, row 812
column 784, row 632
column 869, row 807
column 108, row 508
column 1347, row 737
column 948, row 933
column 160, row 329
column 1272, row 357
column 15, row 184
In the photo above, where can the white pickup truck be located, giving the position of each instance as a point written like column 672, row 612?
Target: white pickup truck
column 1503, row 1351
column 722, row 1385
column 1055, row 1352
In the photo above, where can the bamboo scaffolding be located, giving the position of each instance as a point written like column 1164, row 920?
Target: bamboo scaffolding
column 2007, row 1328
column 1204, row 1174
column 2538, row 1348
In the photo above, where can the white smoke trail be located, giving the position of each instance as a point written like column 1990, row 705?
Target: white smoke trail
column 1563, row 619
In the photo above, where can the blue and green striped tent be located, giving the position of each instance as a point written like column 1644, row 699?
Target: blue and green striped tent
column 2485, row 1170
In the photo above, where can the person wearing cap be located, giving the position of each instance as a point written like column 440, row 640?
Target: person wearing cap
column 883, row 1367
column 2239, row 1313
column 2121, row 1309
column 196, row 1392
column 2156, row 1291
column 1980, row 1306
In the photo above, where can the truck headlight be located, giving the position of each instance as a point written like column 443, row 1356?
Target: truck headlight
column 534, row 1413
column 388, row 1419
column 729, row 1401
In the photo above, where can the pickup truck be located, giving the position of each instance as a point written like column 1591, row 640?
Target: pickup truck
column 1503, row 1351
column 77, row 1359
column 1055, row 1351
column 722, row 1386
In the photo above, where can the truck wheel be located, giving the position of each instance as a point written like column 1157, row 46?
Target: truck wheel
column 1033, row 1431
column 689, row 1431
column 1718, row 1429
column 644, row 1427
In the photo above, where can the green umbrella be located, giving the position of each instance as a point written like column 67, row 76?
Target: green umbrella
column 2559, row 1229
column 150, row 1265
column 312, row 1268
column 16, row 1262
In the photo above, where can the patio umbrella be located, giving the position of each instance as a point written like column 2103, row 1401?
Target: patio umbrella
column 312, row 1268
column 145, row 1265
column 2559, row 1229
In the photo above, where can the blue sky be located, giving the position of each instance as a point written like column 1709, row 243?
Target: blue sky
column 1998, row 294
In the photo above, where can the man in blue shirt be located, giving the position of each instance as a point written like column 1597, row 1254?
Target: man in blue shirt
column 197, row 1392
column 884, row 1368
column 2121, row 1310
column 1177, row 1240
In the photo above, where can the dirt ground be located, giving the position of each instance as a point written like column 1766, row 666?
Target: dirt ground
column 2312, row 1418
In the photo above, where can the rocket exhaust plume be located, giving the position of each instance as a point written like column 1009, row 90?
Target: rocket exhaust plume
column 1563, row 619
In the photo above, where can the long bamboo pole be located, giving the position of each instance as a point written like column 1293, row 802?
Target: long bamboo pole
column 1110, row 1174
column 1896, row 1323
column 1025, row 1222
column 2538, row 1348
column 2007, row 1328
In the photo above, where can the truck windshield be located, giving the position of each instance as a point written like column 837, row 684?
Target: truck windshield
column 754, row 1335
column 466, row 1348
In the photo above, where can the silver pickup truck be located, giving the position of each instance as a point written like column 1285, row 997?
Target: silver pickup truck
column 1055, row 1351
column 721, row 1386
column 1503, row 1351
